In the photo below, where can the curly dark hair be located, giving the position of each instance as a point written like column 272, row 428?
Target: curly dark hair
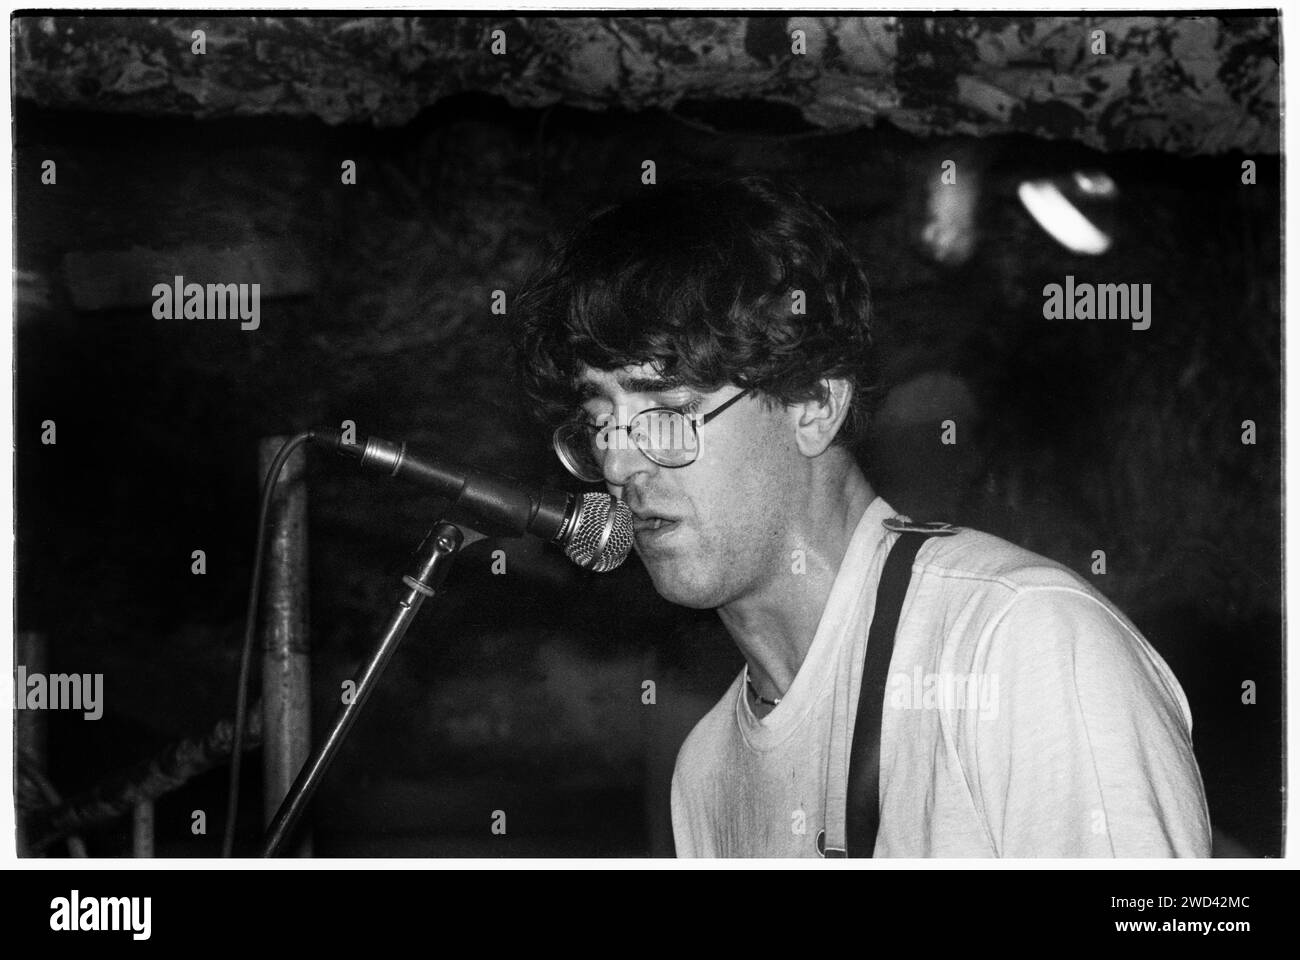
column 699, row 278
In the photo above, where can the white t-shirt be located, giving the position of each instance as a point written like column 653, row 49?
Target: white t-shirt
column 1024, row 717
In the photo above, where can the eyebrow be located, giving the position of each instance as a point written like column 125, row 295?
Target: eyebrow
column 588, row 390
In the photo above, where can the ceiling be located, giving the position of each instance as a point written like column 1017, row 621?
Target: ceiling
column 1186, row 85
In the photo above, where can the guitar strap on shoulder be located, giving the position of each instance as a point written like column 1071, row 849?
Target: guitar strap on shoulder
column 862, row 813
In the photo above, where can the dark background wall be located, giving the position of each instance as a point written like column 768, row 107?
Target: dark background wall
column 523, row 692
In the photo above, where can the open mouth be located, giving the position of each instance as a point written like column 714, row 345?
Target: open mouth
column 650, row 524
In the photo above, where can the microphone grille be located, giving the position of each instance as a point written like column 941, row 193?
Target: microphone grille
column 602, row 533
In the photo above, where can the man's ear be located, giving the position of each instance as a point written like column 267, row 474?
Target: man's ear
column 818, row 420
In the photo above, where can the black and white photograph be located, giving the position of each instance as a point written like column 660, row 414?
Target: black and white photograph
column 604, row 435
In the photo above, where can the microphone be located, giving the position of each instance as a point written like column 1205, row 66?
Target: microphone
column 595, row 531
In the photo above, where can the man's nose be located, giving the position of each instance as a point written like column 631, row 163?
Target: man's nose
column 623, row 461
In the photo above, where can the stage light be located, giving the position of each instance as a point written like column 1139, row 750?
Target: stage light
column 1055, row 204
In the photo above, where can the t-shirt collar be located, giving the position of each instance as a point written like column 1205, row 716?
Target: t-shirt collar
column 839, row 616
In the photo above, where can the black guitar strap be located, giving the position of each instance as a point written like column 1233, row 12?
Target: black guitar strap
column 862, row 816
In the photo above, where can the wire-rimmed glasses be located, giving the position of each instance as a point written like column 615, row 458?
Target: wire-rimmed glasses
column 665, row 435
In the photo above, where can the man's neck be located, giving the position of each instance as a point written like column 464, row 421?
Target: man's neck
column 774, row 627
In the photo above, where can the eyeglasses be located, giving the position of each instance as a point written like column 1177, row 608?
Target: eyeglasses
column 666, row 436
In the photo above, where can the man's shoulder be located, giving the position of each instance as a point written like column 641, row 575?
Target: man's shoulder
column 993, row 599
column 983, row 560
column 972, row 577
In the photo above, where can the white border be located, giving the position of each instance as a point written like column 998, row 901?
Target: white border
column 8, row 858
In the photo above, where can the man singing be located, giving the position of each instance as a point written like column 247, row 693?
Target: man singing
column 705, row 352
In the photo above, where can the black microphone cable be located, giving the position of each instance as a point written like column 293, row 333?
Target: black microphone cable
column 250, row 630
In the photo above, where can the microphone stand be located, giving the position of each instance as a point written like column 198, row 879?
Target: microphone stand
column 427, row 572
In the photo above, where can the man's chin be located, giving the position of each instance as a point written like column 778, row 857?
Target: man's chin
column 674, row 582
